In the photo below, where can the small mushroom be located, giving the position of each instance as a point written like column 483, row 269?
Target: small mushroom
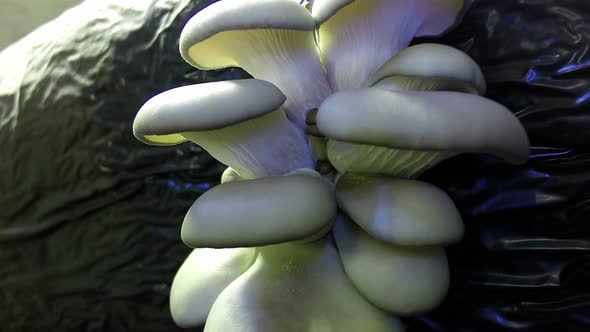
column 230, row 175
column 240, row 123
column 257, row 212
column 420, row 121
column 295, row 287
column 357, row 36
column 201, row 278
column 447, row 68
column 400, row 211
column 271, row 39
column 400, row 280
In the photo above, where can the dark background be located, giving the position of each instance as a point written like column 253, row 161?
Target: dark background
column 90, row 217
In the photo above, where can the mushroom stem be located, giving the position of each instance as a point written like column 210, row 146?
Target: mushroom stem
column 268, row 56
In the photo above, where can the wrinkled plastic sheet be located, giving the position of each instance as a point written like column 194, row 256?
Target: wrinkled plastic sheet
column 90, row 218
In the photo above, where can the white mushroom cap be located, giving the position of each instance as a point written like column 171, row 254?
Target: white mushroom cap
column 400, row 280
column 296, row 287
column 201, row 278
column 356, row 37
column 271, row 39
column 432, row 61
column 202, row 107
column 240, row 123
column 399, row 211
column 425, row 121
column 258, row 212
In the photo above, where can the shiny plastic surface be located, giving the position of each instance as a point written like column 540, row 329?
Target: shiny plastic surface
column 90, row 217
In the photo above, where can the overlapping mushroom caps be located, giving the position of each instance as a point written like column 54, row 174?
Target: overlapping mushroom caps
column 334, row 87
column 422, row 106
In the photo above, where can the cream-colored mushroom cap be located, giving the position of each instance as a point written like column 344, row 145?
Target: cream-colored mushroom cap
column 400, row 280
column 424, row 120
column 258, row 212
column 400, row 211
column 201, row 278
column 433, row 61
column 230, row 175
column 202, row 107
column 201, row 40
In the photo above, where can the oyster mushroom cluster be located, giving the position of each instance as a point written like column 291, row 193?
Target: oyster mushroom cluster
column 318, row 223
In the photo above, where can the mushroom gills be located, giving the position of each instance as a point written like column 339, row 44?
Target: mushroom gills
column 287, row 58
column 233, row 145
column 371, row 159
column 417, row 83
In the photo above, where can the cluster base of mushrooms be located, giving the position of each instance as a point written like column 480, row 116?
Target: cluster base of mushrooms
column 319, row 223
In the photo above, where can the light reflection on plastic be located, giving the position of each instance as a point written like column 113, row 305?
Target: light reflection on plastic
column 581, row 318
column 204, row 186
column 537, row 175
column 531, row 75
column 550, row 154
column 430, row 323
column 583, row 98
column 572, row 66
column 497, row 317
column 200, row 186
column 515, row 199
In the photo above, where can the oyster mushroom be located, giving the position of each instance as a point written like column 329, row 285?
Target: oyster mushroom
column 296, row 287
column 400, row 211
column 257, row 212
column 400, row 280
column 423, row 126
column 202, row 277
column 444, row 67
column 240, row 123
column 230, row 175
column 356, row 37
column 271, row 39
